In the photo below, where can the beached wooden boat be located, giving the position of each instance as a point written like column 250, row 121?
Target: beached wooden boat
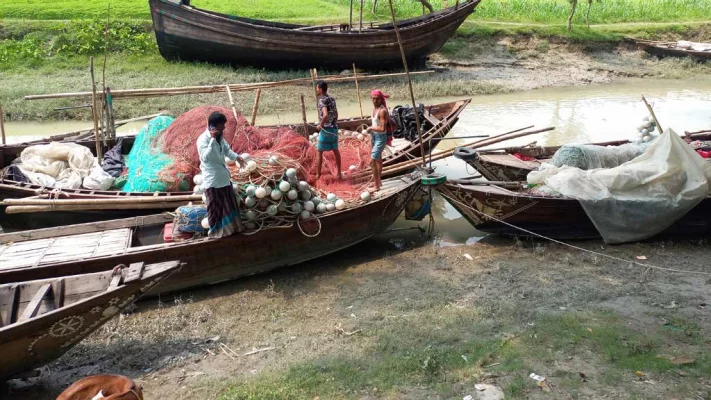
column 504, row 165
column 494, row 209
column 189, row 33
column 442, row 116
column 42, row 319
column 676, row 49
column 208, row 261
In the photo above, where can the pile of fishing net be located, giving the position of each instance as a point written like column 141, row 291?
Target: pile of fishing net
column 289, row 148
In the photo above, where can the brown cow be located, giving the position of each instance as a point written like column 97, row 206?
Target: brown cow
column 103, row 387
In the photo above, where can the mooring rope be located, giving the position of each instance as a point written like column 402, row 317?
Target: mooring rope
column 648, row 266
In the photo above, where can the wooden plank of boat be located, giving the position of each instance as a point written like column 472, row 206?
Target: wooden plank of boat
column 189, row 33
column 210, row 261
column 59, row 312
column 504, row 166
column 497, row 210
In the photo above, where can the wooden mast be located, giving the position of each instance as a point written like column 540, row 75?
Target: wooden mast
column 2, row 124
column 360, row 103
column 409, row 81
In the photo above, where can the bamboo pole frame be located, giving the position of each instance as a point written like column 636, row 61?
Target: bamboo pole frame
column 2, row 125
column 355, row 77
column 654, row 116
column 303, row 117
column 360, row 24
column 97, row 136
column 232, row 102
column 255, row 108
column 409, row 81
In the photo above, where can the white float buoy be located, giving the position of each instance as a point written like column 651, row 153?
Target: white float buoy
column 360, row 136
column 204, row 199
column 331, row 197
column 268, row 189
column 229, row 161
column 250, row 225
column 273, row 160
column 260, row 193
column 330, row 207
column 304, row 214
column 245, row 156
column 276, row 194
column 647, row 138
column 644, row 132
column 352, row 168
column 198, row 190
column 235, row 187
column 291, row 172
column 316, row 200
column 306, row 195
column 303, row 185
column 251, row 215
column 292, row 194
column 251, row 190
column 309, row 206
column 365, row 196
column 296, row 207
column 340, row 204
column 197, row 180
column 251, row 166
column 250, row 202
column 284, row 186
column 321, row 208
column 272, row 210
column 205, row 223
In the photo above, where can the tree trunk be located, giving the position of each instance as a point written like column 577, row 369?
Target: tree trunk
column 574, row 5
column 426, row 4
column 375, row 4
column 587, row 15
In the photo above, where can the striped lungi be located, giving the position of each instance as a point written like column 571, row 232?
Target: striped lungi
column 222, row 212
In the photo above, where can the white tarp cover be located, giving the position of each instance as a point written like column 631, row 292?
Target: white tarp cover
column 641, row 197
column 64, row 164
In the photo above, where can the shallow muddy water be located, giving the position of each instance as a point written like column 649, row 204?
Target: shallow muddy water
column 579, row 114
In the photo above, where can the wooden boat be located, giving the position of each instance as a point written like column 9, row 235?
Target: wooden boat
column 675, row 49
column 494, row 209
column 503, row 165
column 42, row 319
column 207, row 261
column 442, row 116
column 189, row 33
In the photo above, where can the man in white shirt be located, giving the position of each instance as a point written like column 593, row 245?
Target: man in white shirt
column 222, row 210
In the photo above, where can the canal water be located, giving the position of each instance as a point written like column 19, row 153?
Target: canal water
column 579, row 114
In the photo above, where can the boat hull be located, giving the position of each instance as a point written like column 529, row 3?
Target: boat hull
column 208, row 261
column 190, row 34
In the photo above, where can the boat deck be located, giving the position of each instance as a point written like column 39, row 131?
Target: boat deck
column 64, row 248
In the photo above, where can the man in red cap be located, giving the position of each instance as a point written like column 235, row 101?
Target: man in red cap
column 379, row 131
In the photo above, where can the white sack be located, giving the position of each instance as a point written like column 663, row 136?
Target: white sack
column 639, row 198
column 98, row 179
column 38, row 178
column 49, row 158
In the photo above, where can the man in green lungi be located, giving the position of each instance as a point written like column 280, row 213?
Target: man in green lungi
column 328, row 127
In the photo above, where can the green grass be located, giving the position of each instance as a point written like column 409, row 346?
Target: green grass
column 541, row 11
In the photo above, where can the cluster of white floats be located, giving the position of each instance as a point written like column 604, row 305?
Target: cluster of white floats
column 645, row 131
column 342, row 133
column 288, row 196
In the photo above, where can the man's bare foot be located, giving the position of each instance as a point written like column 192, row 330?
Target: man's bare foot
column 373, row 189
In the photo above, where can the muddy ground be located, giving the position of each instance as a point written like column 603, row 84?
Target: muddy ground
column 400, row 316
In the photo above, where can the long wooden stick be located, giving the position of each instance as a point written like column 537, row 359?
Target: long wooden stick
column 360, row 103
column 190, row 90
column 350, row 20
column 116, row 200
column 232, row 102
column 654, row 116
column 2, row 124
column 93, row 109
column 313, row 82
column 409, row 81
column 255, row 108
column 303, row 117
column 84, row 207
column 360, row 24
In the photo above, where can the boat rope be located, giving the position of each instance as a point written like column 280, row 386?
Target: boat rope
column 645, row 265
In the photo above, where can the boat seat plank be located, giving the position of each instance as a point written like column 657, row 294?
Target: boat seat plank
column 135, row 272
column 32, row 308
column 115, row 282
column 65, row 248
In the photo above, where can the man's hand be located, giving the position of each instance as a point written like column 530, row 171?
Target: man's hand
column 214, row 132
column 241, row 162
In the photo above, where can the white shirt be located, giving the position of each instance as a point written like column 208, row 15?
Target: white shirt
column 212, row 160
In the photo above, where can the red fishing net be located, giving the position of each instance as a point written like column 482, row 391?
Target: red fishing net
column 179, row 141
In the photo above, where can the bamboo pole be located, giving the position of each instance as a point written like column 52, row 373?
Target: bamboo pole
column 313, row 82
column 409, row 81
column 255, row 108
column 404, row 166
column 232, row 102
column 350, row 20
column 654, row 116
column 303, row 117
column 109, row 200
column 93, row 109
column 189, row 90
column 355, row 77
column 360, row 24
column 122, row 206
column 2, row 124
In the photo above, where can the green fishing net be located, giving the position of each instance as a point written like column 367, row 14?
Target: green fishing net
column 145, row 160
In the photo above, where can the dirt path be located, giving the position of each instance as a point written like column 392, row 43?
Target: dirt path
column 422, row 321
